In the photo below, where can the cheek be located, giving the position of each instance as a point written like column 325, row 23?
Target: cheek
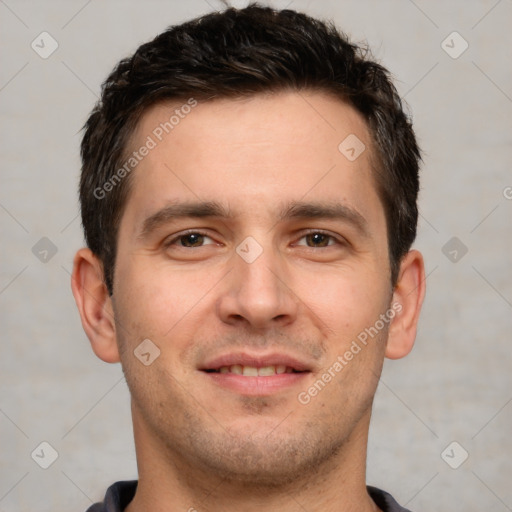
column 346, row 300
column 155, row 301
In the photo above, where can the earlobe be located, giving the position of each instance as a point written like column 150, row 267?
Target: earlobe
column 94, row 305
column 408, row 293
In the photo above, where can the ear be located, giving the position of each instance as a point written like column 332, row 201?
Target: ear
column 95, row 305
column 407, row 301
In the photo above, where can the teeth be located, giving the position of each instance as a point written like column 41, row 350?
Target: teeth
column 267, row 370
column 251, row 371
column 236, row 368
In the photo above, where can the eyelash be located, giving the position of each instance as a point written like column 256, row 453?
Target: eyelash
column 202, row 233
column 184, row 234
column 338, row 241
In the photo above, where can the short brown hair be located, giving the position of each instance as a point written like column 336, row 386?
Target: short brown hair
column 243, row 52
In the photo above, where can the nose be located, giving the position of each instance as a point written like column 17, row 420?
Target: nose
column 258, row 293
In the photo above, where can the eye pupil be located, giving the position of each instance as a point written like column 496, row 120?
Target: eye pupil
column 318, row 239
column 192, row 240
column 197, row 239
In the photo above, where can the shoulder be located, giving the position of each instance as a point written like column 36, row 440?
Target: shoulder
column 117, row 497
column 385, row 501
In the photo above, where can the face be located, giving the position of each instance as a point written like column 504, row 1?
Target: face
column 253, row 253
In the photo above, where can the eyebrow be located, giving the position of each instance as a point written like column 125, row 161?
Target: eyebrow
column 320, row 210
column 181, row 211
column 292, row 210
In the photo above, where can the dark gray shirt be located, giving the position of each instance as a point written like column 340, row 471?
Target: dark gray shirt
column 121, row 493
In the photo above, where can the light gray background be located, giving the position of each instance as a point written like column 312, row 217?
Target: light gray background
column 456, row 384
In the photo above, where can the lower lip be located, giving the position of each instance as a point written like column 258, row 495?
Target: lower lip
column 256, row 386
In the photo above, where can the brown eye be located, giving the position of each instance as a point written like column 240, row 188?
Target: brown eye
column 317, row 240
column 192, row 240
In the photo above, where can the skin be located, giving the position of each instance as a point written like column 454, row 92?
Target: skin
column 204, row 447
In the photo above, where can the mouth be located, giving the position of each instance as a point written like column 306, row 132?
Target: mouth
column 254, row 371
column 255, row 375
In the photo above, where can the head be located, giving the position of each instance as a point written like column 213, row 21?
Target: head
column 223, row 215
column 236, row 54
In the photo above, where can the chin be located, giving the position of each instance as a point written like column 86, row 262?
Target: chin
column 265, row 459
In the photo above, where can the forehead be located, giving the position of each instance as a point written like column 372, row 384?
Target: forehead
column 310, row 118
column 252, row 154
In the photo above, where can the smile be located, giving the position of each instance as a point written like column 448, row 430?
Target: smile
column 253, row 371
column 251, row 374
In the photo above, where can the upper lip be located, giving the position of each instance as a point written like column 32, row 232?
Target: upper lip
column 256, row 361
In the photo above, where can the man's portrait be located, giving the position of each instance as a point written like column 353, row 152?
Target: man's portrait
column 278, row 277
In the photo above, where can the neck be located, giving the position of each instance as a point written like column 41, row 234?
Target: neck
column 167, row 483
